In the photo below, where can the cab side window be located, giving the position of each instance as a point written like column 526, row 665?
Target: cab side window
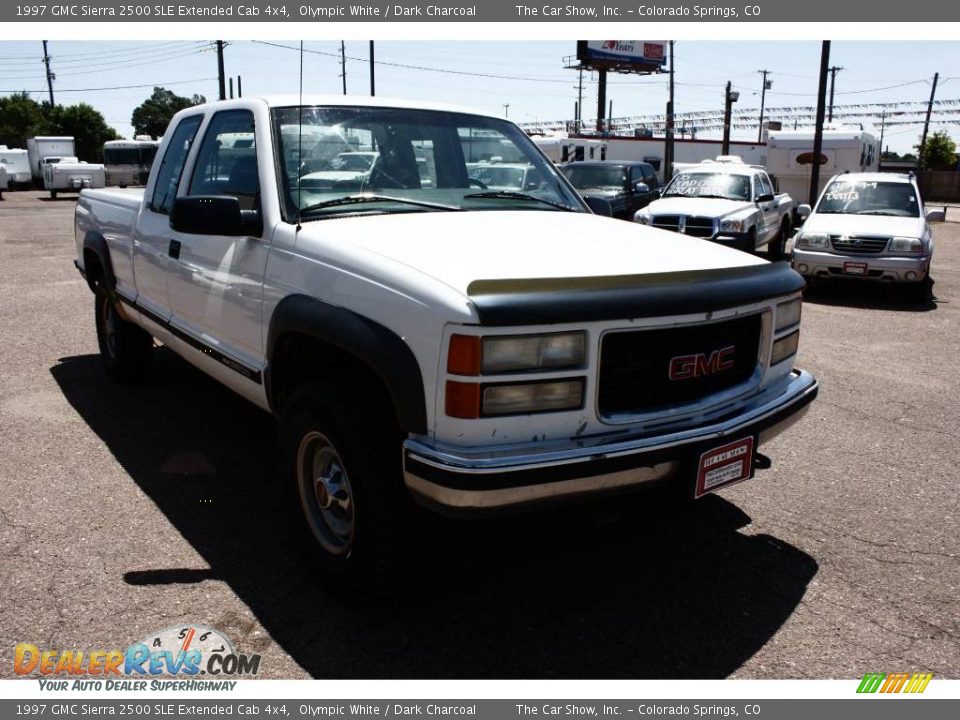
column 227, row 160
column 763, row 185
column 171, row 166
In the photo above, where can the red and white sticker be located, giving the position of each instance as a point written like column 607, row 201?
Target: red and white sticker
column 724, row 466
column 855, row 268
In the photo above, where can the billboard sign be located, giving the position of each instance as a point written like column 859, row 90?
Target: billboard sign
column 623, row 55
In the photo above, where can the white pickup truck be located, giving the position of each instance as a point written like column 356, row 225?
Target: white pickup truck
column 726, row 201
column 429, row 338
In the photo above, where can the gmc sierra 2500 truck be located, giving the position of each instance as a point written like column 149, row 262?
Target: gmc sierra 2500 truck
column 421, row 336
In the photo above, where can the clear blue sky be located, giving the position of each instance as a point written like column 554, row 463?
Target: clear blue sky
column 536, row 85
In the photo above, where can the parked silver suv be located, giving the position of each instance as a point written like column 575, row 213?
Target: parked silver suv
column 870, row 226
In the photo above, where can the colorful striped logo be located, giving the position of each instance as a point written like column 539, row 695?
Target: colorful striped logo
column 894, row 682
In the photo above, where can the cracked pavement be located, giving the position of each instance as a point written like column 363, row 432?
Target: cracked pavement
column 125, row 510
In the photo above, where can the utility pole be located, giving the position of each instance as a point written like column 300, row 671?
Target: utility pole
column 580, row 102
column 50, row 76
column 729, row 98
column 818, row 130
column 668, row 149
column 506, row 110
column 343, row 65
column 921, row 157
column 373, row 90
column 239, row 87
column 767, row 84
column 833, row 78
column 222, row 78
column 883, row 127
column 601, row 99
column 231, row 88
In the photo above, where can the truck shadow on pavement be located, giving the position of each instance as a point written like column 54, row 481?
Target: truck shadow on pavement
column 869, row 296
column 559, row 594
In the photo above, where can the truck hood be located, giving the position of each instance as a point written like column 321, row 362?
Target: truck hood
column 458, row 248
column 701, row 207
column 884, row 225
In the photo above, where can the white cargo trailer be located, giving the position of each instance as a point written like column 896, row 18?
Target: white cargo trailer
column 40, row 149
column 790, row 156
column 17, row 165
column 71, row 175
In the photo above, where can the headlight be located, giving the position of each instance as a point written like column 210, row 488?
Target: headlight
column 788, row 313
column 813, row 241
column 472, row 400
column 785, row 347
column 525, row 398
column 640, row 217
column 472, row 355
column 731, row 226
column 912, row 246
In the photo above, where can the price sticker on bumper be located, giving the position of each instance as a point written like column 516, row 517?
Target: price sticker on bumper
column 725, row 465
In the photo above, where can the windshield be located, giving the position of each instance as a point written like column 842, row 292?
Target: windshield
column 854, row 197
column 590, row 176
column 709, row 184
column 429, row 159
column 129, row 155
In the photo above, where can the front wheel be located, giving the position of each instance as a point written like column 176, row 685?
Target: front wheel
column 341, row 464
column 777, row 249
column 124, row 347
column 53, row 194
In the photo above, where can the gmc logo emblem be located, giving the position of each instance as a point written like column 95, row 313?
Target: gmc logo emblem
column 688, row 367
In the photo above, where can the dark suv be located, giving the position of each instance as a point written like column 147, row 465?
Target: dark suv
column 627, row 186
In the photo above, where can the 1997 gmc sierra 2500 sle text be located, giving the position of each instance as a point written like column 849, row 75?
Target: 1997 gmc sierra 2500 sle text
column 421, row 336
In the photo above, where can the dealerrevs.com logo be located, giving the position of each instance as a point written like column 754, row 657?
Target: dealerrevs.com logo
column 171, row 659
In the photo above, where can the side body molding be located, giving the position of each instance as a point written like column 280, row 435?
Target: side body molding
column 382, row 350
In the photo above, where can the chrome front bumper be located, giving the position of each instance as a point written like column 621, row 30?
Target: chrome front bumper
column 478, row 480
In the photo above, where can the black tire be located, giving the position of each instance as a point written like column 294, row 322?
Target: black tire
column 53, row 194
column 341, row 464
column 749, row 243
column 921, row 292
column 777, row 248
column 125, row 349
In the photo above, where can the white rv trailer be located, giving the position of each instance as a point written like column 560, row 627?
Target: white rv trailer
column 561, row 148
column 4, row 181
column 42, row 147
column 845, row 149
column 128, row 162
column 71, row 175
column 17, row 164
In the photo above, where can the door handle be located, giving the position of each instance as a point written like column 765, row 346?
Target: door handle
column 174, row 249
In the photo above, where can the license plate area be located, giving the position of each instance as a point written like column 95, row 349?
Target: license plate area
column 855, row 268
column 725, row 465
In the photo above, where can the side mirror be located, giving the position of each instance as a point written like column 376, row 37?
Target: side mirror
column 599, row 206
column 642, row 188
column 936, row 216
column 214, row 215
column 804, row 211
column 765, row 198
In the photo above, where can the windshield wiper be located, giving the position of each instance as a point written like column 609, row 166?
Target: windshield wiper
column 372, row 198
column 889, row 213
column 512, row 195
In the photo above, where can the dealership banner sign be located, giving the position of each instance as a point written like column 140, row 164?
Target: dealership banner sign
column 857, row 708
column 312, row 11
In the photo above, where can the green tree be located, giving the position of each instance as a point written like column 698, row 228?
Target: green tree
column 153, row 115
column 20, row 118
column 939, row 152
column 87, row 127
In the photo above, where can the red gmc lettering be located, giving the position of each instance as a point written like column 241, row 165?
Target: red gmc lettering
column 687, row 367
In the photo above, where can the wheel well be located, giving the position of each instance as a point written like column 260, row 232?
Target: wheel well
column 92, row 267
column 299, row 358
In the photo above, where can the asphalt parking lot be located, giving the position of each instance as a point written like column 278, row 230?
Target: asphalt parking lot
column 124, row 510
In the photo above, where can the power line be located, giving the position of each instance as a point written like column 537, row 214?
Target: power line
column 414, row 67
column 116, row 87
column 99, row 69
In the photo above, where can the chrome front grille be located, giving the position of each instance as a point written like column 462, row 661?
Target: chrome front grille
column 859, row 244
column 696, row 226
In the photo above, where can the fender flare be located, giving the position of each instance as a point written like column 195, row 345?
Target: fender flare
column 378, row 347
column 97, row 244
